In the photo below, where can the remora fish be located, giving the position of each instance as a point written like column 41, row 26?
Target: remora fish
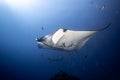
column 67, row 40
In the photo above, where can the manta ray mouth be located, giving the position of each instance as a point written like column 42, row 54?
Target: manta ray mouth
column 40, row 44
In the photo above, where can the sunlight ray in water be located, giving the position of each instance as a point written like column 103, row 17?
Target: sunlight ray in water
column 21, row 5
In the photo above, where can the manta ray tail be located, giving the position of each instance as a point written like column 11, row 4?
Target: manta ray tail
column 105, row 27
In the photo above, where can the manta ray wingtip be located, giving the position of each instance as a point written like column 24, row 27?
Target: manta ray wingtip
column 108, row 25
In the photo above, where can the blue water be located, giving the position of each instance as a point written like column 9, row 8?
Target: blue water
column 21, row 59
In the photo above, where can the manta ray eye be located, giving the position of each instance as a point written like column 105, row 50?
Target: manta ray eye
column 64, row 30
column 41, row 39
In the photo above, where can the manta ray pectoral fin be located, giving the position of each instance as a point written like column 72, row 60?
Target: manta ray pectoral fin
column 82, row 42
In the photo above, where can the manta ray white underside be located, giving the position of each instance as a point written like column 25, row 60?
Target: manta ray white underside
column 68, row 40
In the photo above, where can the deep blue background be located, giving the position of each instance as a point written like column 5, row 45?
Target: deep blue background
column 21, row 59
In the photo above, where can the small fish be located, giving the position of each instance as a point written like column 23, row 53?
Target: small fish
column 102, row 8
column 67, row 40
column 42, row 28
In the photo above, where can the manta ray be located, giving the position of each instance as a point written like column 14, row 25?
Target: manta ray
column 67, row 40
